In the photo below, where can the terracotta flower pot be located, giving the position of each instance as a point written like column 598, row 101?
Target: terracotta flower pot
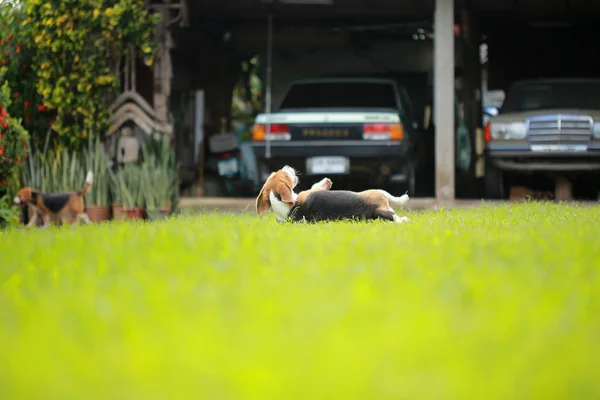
column 117, row 211
column 134, row 213
column 98, row 213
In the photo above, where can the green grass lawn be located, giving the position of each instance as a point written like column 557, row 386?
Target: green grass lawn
column 486, row 303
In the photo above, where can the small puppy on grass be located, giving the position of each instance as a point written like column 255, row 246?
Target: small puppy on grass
column 55, row 206
column 321, row 204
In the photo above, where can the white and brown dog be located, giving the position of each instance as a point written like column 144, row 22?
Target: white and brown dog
column 55, row 206
column 321, row 204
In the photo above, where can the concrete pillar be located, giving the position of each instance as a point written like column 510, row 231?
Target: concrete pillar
column 444, row 99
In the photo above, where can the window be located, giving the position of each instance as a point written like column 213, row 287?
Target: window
column 340, row 95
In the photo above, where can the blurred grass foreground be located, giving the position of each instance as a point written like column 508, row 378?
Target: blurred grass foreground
column 485, row 303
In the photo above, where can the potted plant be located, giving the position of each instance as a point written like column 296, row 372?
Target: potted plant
column 97, row 204
column 116, row 195
column 132, row 191
column 160, row 172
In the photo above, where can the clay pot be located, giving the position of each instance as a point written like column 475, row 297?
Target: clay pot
column 117, row 211
column 98, row 213
column 134, row 213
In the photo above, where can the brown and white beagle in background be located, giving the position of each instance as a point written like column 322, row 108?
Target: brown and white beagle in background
column 321, row 204
column 55, row 206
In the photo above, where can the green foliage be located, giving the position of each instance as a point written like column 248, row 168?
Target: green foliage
column 159, row 172
column 97, row 161
column 16, row 65
column 13, row 149
column 69, row 51
column 56, row 172
column 487, row 303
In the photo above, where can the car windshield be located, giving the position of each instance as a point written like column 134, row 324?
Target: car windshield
column 340, row 95
column 546, row 95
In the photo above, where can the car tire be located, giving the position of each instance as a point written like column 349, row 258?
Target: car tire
column 494, row 182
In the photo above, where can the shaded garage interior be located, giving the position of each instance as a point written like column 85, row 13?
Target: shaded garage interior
column 524, row 38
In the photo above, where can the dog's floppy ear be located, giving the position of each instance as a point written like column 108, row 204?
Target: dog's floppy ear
column 285, row 192
column 262, row 201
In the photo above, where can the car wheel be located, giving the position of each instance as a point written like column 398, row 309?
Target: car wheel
column 493, row 182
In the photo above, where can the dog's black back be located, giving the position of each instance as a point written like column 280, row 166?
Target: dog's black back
column 55, row 202
column 333, row 205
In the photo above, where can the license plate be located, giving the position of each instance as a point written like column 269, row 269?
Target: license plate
column 559, row 147
column 327, row 165
column 228, row 167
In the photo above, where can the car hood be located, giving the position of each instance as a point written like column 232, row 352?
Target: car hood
column 523, row 115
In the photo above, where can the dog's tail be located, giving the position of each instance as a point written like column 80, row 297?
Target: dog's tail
column 87, row 186
column 396, row 201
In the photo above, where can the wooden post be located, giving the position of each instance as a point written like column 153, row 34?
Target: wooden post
column 162, row 69
column 444, row 100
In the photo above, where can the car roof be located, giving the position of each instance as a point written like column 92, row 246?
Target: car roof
column 344, row 79
column 554, row 80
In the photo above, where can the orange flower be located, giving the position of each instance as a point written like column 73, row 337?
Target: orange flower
column 25, row 145
column 18, row 48
column 9, row 36
column 2, row 42
column 1, row 136
column 2, row 181
column 1, row 150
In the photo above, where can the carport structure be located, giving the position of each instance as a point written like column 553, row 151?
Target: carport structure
column 221, row 33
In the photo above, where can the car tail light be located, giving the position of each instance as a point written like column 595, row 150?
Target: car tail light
column 383, row 132
column 487, row 132
column 277, row 132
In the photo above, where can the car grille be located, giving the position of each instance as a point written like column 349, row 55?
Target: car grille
column 559, row 129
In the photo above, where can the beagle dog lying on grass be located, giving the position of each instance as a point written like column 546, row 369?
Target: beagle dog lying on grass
column 321, row 204
column 55, row 206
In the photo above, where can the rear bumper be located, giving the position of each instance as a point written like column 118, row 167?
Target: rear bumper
column 522, row 159
column 347, row 148
column 367, row 159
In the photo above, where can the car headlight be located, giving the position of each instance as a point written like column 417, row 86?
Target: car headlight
column 596, row 130
column 508, row 131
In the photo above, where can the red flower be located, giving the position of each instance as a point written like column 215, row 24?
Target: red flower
column 26, row 104
column 1, row 136
column 1, row 150
column 18, row 48
column 4, row 61
column 16, row 95
column 25, row 145
column 4, row 124
column 41, row 108
column 2, row 181
column 2, row 112
column 9, row 36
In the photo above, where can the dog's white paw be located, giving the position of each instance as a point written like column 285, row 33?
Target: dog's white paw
column 324, row 183
column 400, row 220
